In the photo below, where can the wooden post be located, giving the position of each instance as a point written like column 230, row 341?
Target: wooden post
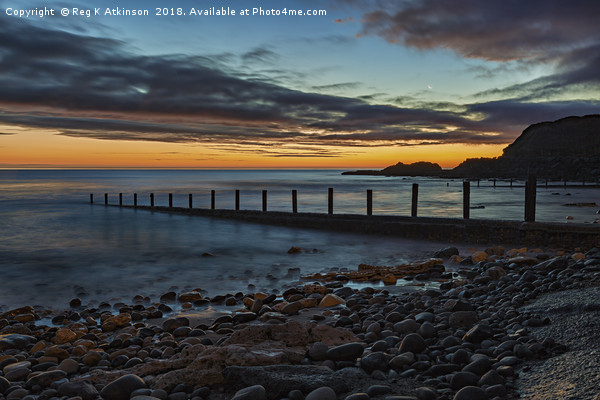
column 135, row 199
column 565, row 182
column 294, row 201
column 151, row 199
column 530, row 193
column 369, row 202
column 170, row 200
column 105, row 199
column 477, row 182
column 546, row 182
column 91, row 198
column 415, row 199
column 494, row 182
column 237, row 200
column 120, row 199
column 330, row 201
column 511, row 182
column 212, row 199
column 191, row 203
column 264, row 201
column 466, row 199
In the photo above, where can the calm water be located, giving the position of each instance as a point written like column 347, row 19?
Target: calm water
column 54, row 245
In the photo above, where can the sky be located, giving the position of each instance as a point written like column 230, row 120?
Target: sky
column 361, row 84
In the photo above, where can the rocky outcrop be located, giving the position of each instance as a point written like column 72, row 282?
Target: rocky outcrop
column 421, row 168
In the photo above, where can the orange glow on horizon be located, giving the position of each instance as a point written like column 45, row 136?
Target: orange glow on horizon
column 49, row 150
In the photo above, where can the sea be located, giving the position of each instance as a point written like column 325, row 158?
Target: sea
column 55, row 245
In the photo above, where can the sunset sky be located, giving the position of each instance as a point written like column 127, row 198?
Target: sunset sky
column 367, row 85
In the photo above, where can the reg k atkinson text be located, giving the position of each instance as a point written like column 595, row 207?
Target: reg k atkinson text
column 161, row 11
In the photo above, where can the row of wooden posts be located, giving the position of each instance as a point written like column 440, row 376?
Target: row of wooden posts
column 530, row 198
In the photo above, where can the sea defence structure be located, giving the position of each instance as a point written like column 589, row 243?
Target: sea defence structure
column 455, row 230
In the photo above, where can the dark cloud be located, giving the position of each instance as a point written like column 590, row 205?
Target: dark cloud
column 338, row 86
column 562, row 35
column 84, row 86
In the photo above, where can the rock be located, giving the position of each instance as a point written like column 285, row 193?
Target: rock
column 294, row 250
column 69, row 365
column 495, row 273
column 378, row 390
column 462, row 379
column 424, row 316
column 413, row 343
column 478, row 333
column 64, row 335
column 45, row 379
column 256, row 392
column 171, row 324
column 491, row 378
column 406, row 326
column 189, row 297
column 374, row 361
column 479, row 366
column 426, row 393
column 471, row 393
column 346, row 352
column 454, row 305
column 446, row 253
column 15, row 341
column 460, row 319
column 389, row 279
column 401, row 360
column 318, row 351
column 479, row 256
column 85, row 390
column 17, row 374
column 292, row 308
column 4, row 384
column 121, row 388
column 322, row 393
column 331, row 300
column 358, row 396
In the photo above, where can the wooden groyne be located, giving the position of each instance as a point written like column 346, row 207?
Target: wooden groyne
column 454, row 230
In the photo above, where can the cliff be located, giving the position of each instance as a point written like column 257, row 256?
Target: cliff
column 568, row 148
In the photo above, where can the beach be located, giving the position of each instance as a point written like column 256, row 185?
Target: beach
column 474, row 336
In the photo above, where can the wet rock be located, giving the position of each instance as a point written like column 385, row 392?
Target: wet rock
column 426, row 393
column 378, row 390
column 318, row 351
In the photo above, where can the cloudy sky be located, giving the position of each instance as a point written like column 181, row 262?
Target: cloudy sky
column 368, row 84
